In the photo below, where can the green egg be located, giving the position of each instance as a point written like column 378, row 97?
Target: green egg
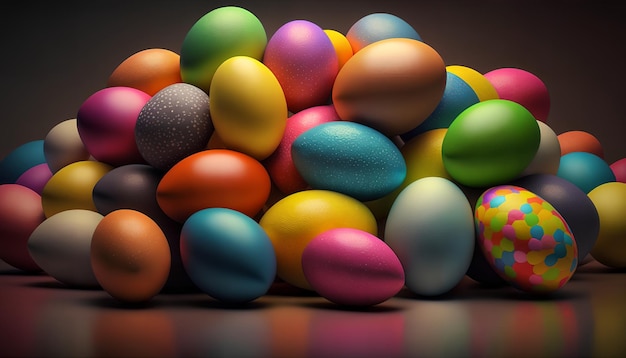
column 218, row 35
column 490, row 143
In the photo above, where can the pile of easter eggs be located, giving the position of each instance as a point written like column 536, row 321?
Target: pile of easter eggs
column 352, row 166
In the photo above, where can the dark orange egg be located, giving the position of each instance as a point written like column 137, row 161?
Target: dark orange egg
column 148, row 70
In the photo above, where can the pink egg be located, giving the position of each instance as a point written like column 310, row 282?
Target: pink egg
column 280, row 164
column 303, row 59
column 106, row 124
column 619, row 169
column 523, row 87
column 36, row 177
column 352, row 267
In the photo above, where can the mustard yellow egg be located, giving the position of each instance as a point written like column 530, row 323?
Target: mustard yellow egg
column 248, row 107
column 479, row 83
column 292, row 222
column 341, row 44
column 71, row 187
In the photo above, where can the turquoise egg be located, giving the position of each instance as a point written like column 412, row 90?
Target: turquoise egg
column 349, row 158
column 585, row 170
column 21, row 159
column 227, row 255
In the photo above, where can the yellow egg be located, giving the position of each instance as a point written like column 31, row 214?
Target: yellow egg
column 341, row 44
column 292, row 222
column 479, row 83
column 71, row 187
column 248, row 107
column 610, row 201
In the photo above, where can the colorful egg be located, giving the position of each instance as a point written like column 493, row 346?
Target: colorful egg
column 35, row 178
column 585, row 170
column 571, row 202
column 20, row 214
column 457, row 96
column 342, row 46
column 379, row 26
column 610, row 201
column 248, row 107
column 430, row 227
column 220, row 34
column 130, row 256
column 349, row 158
column 279, row 164
column 393, row 85
column 61, row 246
column 214, row 178
column 548, row 156
column 490, row 143
column 227, row 255
column 580, row 141
column 106, row 124
column 619, row 170
column 20, row 159
column 523, row 87
column 72, row 187
column 293, row 221
column 173, row 124
column 149, row 70
column 352, row 267
column 304, row 60
column 479, row 83
column 525, row 239
column 63, row 145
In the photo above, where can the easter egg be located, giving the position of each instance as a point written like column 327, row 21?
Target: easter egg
column 619, row 170
column 571, row 202
column 63, row 145
column 304, row 60
column 149, row 70
column 352, row 267
column 580, row 141
column 490, row 143
column 214, row 178
column 279, row 164
column 585, row 170
column 523, row 87
column 293, row 221
column 106, row 124
column 130, row 256
column 610, row 201
column 20, row 214
column 61, row 246
column 227, row 255
column 72, row 187
column 457, row 96
column 173, row 124
column 379, row 26
column 479, row 83
column 221, row 33
column 35, row 178
column 248, row 107
column 20, row 159
column 430, row 227
column 349, row 158
column 392, row 85
column 548, row 156
column 525, row 240
column 342, row 46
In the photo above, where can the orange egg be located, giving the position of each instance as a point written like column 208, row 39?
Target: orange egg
column 148, row 70
column 130, row 256
column 580, row 141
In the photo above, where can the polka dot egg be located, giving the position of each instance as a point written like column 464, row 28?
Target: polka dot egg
column 524, row 239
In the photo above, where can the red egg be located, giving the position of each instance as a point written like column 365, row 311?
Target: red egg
column 619, row 169
column 214, row 178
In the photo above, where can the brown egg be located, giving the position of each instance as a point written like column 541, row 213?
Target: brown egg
column 130, row 256
column 148, row 70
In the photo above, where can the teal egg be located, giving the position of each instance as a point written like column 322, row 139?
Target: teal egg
column 21, row 159
column 227, row 255
column 349, row 158
column 585, row 170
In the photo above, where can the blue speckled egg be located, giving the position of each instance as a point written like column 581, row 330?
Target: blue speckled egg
column 349, row 158
column 227, row 255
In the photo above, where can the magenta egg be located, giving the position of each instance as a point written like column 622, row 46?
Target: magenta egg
column 619, row 169
column 352, row 267
column 36, row 177
column 303, row 59
column 106, row 124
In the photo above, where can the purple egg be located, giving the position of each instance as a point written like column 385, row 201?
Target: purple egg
column 35, row 178
column 303, row 59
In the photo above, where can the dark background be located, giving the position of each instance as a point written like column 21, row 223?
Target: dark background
column 55, row 54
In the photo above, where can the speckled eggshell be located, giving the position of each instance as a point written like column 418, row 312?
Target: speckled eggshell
column 352, row 267
column 350, row 158
column 430, row 227
column 173, row 124
column 305, row 63
column 63, row 145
